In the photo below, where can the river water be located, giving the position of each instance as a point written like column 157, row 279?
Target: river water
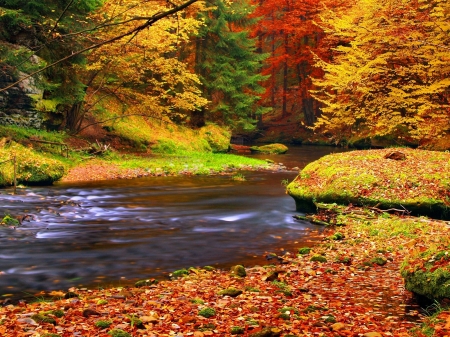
column 98, row 234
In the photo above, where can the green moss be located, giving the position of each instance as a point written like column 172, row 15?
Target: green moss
column 8, row 220
column 318, row 258
column 336, row 236
column 207, row 312
column 119, row 333
column 197, row 301
column 180, row 273
column 313, row 308
column 103, row 324
column 143, row 283
column 367, row 178
column 217, row 137
column 270, row 149
column 427, row 273
column 209, row 268
column 237, row 330
column 238, row 270
column 42, row 318
column 232, row 292
column 304, row 250
column 329, row 319
column 381, row 261
column 32, row 168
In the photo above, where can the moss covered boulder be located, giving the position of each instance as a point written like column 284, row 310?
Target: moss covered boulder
column 270, row 149
column 32, row 167
column 416, row 181
column 427, row 272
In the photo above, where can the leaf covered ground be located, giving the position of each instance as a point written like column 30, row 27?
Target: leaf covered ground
column 349, row 285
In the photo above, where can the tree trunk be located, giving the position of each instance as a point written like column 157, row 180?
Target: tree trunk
column 74, row 117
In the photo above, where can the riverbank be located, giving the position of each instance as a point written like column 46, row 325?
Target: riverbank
column 350, row 285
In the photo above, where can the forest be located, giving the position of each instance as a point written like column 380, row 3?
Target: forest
column 350, row 72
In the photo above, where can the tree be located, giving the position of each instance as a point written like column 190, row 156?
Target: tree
column 57, row 34
column 143, row 72
column 390, row 74
column 286, row 31
column 228, row 66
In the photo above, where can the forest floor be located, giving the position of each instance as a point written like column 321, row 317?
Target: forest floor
column 349, row 285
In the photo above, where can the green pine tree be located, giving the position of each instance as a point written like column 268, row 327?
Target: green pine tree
column 229, row 67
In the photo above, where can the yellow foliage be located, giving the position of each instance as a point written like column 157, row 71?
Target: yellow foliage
column 390, row 70
column 144, row 71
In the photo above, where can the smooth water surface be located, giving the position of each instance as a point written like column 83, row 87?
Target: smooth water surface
column 109, row 232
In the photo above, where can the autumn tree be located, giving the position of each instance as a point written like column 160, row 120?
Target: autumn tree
column 228, row 66
column 143, row 72
column 75, row 37
column 286, row 31
column 390, row 73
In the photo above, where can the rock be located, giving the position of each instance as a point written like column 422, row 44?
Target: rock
column 395, row 155
column 143, row 283
column 232, row 292
column 238, row 270
column 90, row 312
column 318, row 258
column 270, row 149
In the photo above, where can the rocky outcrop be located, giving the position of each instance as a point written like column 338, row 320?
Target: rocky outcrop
column 18, row 103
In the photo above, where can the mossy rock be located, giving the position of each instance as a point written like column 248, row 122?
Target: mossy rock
column 207, row 312
column 237, row 330
column 103, row 324
column 143, row 283
column 379, row 260
column 238, row 270
column 318, row 258
column 232, row 292
column 270, row 149
column 304, row 250
column 427, row 273
column 119, row 333
column 32, row 167
column 179, row 273
column 419, row 184
column 42, row 318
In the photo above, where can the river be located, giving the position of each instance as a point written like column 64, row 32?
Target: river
column 98, row 234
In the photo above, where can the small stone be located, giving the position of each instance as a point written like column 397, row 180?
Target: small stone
column 90, row 312
column 238, row 270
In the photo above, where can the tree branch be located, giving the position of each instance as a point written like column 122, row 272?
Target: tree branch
column 149, row 21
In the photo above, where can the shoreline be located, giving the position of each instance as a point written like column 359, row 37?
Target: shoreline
column 302, row 295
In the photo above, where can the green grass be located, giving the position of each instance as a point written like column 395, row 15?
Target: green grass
column 192, row 163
